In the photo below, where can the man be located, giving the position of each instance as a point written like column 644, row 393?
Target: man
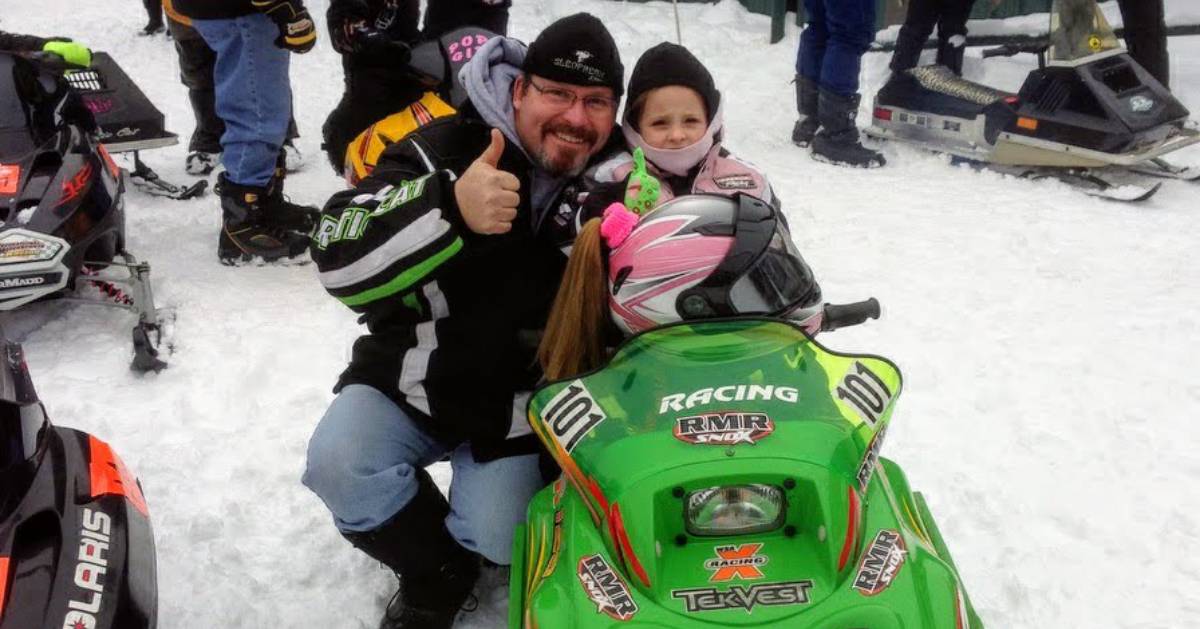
column 252, row 40
column 445, row 251
column 828, row 62
column 374, row 37
column 1146, row 36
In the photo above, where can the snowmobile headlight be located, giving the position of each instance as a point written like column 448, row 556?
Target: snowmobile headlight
column 19, row 245
column 735, row 509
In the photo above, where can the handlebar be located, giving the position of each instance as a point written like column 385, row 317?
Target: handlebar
column 1009, row 50
column 846, row 315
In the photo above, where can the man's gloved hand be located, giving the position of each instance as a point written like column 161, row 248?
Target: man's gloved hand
column 73, row 53
column 296, row 31
column 357, row 37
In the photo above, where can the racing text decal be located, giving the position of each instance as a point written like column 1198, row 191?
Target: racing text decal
column 736, row 562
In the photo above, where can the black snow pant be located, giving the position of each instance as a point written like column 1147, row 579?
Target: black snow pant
column 154, row 13
column 196, row 61
column 950, row 18
column 376, row 88
column 1146, row 36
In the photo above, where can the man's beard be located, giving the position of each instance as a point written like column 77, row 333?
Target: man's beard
column 566, row 163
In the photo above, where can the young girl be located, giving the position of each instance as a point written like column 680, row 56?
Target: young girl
column 674, row 118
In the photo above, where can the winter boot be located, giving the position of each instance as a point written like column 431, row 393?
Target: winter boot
column 200, row 163
column 436, row 573
column 837, row 141
column 245, row 231
column 282, row 212
column 806, row 104
column 951, row 52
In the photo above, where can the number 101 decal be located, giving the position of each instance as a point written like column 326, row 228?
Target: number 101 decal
column 865, row 393
column 572, row 414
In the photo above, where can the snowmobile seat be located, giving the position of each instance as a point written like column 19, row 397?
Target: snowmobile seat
column 128, row 120
column 937, row 90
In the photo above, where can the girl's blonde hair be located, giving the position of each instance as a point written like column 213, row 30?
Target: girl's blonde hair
column 574, row 338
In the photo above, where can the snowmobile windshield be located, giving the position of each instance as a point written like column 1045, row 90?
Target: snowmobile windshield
column 1079, row 29
column 21, row 427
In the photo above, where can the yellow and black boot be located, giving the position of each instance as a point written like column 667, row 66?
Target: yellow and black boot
column 247, row 229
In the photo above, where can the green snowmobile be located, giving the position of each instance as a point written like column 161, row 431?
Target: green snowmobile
column 722, row 473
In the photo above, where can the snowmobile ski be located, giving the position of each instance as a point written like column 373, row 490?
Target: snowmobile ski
column 1159, row 167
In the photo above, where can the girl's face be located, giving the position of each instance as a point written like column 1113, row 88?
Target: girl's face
column 673, row 117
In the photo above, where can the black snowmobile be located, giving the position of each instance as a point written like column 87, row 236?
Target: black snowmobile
column 1089, row 115
column 128, row 123
column 76, row 546
column 62, row 207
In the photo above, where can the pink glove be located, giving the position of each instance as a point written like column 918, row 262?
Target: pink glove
column 618, row 223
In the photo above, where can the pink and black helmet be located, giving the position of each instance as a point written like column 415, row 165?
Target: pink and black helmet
column 704, row 256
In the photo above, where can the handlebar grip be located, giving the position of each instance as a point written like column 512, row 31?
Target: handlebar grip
column 845, row 315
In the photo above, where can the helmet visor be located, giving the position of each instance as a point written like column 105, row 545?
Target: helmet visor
column 777, row 282
column 20, row 428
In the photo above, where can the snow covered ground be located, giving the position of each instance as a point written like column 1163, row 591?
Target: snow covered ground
column 1049, row 343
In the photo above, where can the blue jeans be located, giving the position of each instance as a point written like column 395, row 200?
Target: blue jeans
column 839, row 32
column 253, row 94
column 362, row 462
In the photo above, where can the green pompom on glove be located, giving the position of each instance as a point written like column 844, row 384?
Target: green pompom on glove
column 642, row 192
column 73, row 53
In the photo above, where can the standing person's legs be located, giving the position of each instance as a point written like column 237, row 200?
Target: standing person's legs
column 1146, row 36
column 154, row 15
column 488, row 500
column 952, row 33
column 253, row 96
column 919, row 21
column 851, row 26
column 196, row 61
column 809, row 56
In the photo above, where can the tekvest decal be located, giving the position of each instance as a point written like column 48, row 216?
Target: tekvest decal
column 606, row 589
column 738, row 597
column 721, row 429
column 880, row 563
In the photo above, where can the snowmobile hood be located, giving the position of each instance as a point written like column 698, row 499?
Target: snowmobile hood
column 76, row 548
column 690, row 407
column 753, row 387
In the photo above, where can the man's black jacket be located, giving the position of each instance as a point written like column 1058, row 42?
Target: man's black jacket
column 452, row 315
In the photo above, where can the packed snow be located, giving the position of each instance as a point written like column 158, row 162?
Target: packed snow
column 1049, row 343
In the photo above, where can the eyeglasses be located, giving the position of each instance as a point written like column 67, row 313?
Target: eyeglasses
column 565, row 99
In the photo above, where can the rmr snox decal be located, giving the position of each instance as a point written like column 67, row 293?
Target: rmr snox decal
column 881, row 563
column 864, row 392
column 738, row 597
column 605, row 588
column 722, row 429
column 572, row 414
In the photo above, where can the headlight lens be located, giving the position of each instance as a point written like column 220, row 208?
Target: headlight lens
column 735, row 510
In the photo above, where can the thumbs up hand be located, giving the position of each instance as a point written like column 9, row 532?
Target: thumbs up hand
column 487, row 196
